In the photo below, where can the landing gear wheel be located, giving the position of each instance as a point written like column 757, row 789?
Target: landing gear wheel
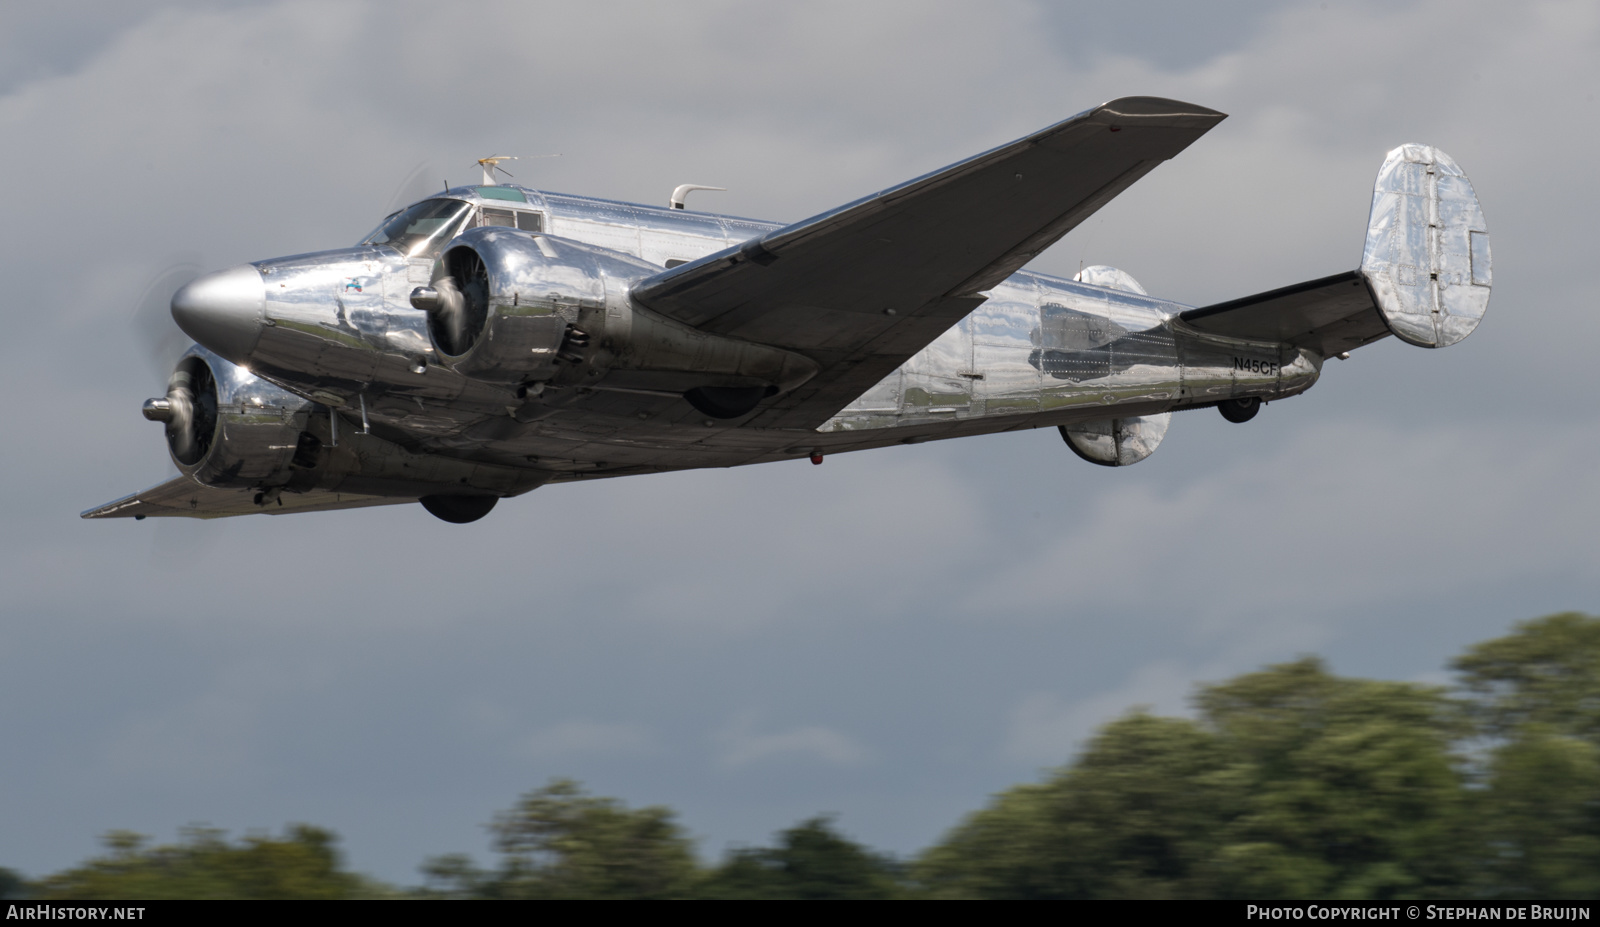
column 727, row 402
column 1239, row 411
column 459, row 510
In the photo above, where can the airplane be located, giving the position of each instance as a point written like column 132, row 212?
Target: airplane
column 494, row 338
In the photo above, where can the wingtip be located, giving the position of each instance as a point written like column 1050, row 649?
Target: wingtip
column 1159, row 110
column 117, row 508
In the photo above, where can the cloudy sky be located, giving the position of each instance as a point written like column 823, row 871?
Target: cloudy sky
column 890, row 637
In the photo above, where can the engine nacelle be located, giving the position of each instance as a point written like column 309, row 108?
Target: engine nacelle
column 509, row 307
column 226, row 427
column 229, row 428
column 1117, row 442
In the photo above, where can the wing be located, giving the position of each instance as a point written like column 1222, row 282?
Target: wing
column 182, row 496
column 1329, row 316
column 862, row 288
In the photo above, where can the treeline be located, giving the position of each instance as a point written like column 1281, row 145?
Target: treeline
column 1289, row 782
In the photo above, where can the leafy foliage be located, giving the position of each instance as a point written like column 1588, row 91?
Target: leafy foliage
column 12, row 885
column 1290, row 782
column 812, row 861
column 1130, row 819
column 1293, row 783
column 1535, row 693
column 559, row 842
column 204, row 864
column 1546, row 672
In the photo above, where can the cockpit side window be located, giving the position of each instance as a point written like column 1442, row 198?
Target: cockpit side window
column 422, row 229
column 512, row 218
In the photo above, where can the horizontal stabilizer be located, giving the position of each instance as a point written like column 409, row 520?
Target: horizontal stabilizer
column 1329, row 316
column 184, row 498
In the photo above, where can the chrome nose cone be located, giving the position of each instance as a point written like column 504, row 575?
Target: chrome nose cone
column 223, row 310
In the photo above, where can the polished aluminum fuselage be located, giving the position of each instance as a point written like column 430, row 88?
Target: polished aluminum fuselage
column 1041, row 351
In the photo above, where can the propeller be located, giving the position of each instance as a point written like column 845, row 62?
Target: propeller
column 189, row 410
column 457, row 303
column 188, row 406
column 423, row 182
column 163, row 342
column 449, row 315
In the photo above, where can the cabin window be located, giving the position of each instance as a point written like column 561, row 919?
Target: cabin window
column 512, row 219
column 510, row 194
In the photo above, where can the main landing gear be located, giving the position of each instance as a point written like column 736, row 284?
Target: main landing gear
column 1241, row 410
column 459, row 510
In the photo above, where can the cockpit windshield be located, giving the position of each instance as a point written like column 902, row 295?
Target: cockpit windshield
column 421, row 229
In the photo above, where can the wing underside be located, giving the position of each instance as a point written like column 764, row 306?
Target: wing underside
column 183, row 497
column 864, row 287
column 1330, row 316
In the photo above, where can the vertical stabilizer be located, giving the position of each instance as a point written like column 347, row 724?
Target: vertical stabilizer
column 1427, row 253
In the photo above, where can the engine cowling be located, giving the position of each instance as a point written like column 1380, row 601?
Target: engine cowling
column 1117, row 442
column 509, row 307
column 229, row 428
column 226, row 427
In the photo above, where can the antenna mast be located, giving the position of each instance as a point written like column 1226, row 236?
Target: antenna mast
column 492, row 164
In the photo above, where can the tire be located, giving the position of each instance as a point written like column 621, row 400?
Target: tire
column 1239, row 411
column 458, row 510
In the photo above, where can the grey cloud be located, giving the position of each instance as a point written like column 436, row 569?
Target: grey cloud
column 740, row 745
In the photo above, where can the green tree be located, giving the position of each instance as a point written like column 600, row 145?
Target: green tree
column 559, row 842
column 454, row 875
column 1542, row 818
column 12, row 885
column 1293, row 783
column 1547, row 672
column 204, row 864
column 1535, row 694
column 811, row 861
column 1349, row 788
column 1134, row 817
